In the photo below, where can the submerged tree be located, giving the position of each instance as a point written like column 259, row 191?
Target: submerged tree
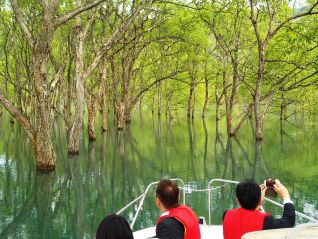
column 39, row 41
column 62, row 57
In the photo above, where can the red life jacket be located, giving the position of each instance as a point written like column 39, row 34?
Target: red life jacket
column 187, row 217
column 239, row 221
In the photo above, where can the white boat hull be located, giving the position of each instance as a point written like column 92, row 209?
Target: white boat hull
column 207, row 232
column 302, row 231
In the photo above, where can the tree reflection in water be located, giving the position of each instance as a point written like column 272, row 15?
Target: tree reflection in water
column 108, row 173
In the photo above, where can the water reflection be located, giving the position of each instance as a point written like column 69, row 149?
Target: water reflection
column 76, row 180
column 115, row 169
column 206, row 142
column 192, row 148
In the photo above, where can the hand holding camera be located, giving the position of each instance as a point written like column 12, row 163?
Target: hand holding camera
column 270, row 191
column 270, row 183
column 281, row 190
column 276, row 188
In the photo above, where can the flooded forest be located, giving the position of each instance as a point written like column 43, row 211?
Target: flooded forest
column 100, row 98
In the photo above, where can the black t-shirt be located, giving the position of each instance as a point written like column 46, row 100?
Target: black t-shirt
column 170, row 228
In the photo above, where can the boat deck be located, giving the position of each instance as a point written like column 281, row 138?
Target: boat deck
column 309, row 230
column 302, row 231
column 206, row 232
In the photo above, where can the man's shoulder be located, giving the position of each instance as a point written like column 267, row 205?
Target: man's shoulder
column 170, row 221
column 170, row 228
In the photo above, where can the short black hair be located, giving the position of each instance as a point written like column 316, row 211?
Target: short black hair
column 248, row 194
column 168, row 193
column 114, row 227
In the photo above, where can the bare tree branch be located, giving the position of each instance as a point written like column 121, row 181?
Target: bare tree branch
column 179, row 4
column 62, row 19
column 301, row 81
column 135, row 99
column 285, row 61
column 112, row 40
column 22, row 22
column 309, row 12
column 23, row 120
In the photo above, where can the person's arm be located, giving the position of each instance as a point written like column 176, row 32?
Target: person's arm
column 288, row 219
column 289, row 215
column 170, row 228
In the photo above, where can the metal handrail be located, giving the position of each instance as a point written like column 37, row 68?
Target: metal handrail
column 209, row 190
column 142, row 199
column 266, row 199
column 129, row 204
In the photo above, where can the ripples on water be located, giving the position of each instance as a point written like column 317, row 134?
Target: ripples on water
column 115, row 169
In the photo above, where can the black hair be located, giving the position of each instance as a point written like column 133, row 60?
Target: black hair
column 248, row 194
column 114, row 227
column 168, row 193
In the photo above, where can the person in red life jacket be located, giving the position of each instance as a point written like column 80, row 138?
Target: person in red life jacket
column 248, row 218
column 177, row 221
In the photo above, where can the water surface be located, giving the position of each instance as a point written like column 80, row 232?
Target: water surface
column 108, row 173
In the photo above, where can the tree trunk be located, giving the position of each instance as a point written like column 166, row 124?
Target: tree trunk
column 169, row 106
column 114, row 77
column 217, row 109
column 140, row 86
column 68, row 96
column 258, row 122
column 228, row 110
column 257, row 98
column 122, row 108
column 206, row 99
column 193, row 104
column 159, row 99
column 102, row 95
column 282, row 107
column 190, row 99
column 11, row 120
column 40, row 44
column 217, row 118
column 91, row 108
column 153, row 103
column 75, row 132
column 127, row 115
column 120, row 116
column 103, row 112
column 44, row 153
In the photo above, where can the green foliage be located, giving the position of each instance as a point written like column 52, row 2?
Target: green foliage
column 170, row 39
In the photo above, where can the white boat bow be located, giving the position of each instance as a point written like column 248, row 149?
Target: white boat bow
column 309, row 230
column 303, row 231
column 214, row 231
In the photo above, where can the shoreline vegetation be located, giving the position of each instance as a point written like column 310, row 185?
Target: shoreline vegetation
column 63, row 58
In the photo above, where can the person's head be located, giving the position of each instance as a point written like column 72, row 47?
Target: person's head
column 167, row 194
column 248, row 194
column 114, row 227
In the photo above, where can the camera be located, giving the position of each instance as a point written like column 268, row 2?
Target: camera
column 270, row 192
column 270, row 183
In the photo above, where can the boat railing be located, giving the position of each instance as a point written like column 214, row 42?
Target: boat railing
column 225, row 181
column 142, row 199
column 209, row 190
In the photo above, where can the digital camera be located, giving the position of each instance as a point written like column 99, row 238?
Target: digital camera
column 270, row 192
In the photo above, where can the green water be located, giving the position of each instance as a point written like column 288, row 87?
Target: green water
column 115, row 169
